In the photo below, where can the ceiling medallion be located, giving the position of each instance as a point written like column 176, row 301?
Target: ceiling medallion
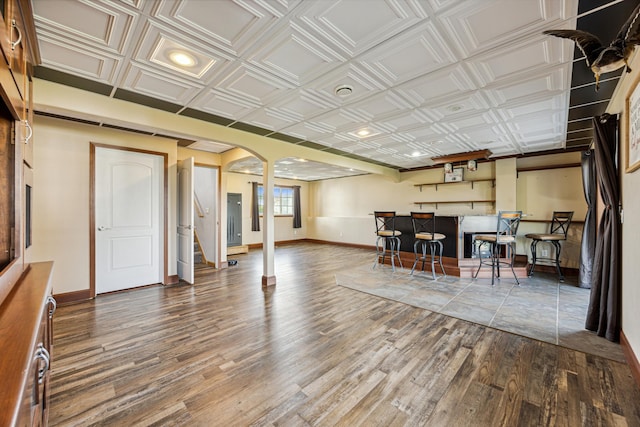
column 343, row 91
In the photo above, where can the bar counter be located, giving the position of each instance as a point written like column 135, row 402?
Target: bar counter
column 459, row 256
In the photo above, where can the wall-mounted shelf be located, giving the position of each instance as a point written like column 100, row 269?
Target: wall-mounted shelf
column 436, row 203
column 472, row 181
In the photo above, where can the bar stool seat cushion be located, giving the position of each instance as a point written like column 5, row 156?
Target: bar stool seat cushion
column 545, row 236
column 389, row 233
column 498, row 239
column 428, row 236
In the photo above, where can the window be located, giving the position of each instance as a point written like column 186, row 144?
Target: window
column 282, row 200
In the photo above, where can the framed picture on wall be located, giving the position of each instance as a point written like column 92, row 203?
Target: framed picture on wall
column 632, row 143
column 455, row 175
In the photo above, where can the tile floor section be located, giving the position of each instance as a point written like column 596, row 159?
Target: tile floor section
column 541, row 307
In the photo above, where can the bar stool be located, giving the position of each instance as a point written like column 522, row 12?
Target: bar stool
column 388, row 236
column 505, row 236
column 424, row 226
column 557, row 232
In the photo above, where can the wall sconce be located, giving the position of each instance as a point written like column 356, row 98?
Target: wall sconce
column 448, row 168
column 472, row 165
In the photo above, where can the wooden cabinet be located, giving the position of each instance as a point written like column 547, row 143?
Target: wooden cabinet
column 26, row 304
column 26, row 339
column 20, row 52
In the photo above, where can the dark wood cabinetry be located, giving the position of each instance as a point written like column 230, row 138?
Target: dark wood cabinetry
column 19, row 53
column 25, row 337
column 26, row 304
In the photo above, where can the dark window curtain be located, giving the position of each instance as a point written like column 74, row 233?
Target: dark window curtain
column 297, row 214
column 603, row 315
column 588, row 245
column 255, row 209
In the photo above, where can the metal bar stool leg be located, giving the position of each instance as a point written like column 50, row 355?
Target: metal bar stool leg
column 432, row 252
column 480, row 258
column 440, row 246
column 417, row 258
column 513, row 259
column 399, row 242
column 558, row 248
column 534, row 256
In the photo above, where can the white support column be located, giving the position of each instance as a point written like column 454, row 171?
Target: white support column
column 268, row 226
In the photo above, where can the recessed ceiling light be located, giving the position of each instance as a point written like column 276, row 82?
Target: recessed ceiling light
column 183, row 59
column 363, row 132
column 454, row 107
column 343, row 91
column 415, row 154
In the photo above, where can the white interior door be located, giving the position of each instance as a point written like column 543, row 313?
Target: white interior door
column 128, row 218
column 185, row 219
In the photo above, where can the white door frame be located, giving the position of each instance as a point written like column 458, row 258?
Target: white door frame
column 92, row 211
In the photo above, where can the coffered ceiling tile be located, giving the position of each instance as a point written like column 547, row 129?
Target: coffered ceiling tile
column 253, row 85
column 267, row 119
column 211, row 146
column 485, row 135
column 306, row 130
column 375, row 23
column 458, row 107
column 440, row 85
column 104, row 26
column 467, row 23
column 295, row 56
column 340, row 143
column 405, row 120
column 306, row 104
column 519, row 60
column 417, row 52
column 139, row 78
column 74, row 59
column 488, row 118
column 551, row 81
column 354, row 76
column 223, row 104
column 534, row 105
column 230, row 25
column 339, row 120
column 378, row 106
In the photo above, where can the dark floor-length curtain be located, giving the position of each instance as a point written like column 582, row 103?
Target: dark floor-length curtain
column 297, row 214
column 255, row 208
column 603, row 315
column 588, row 245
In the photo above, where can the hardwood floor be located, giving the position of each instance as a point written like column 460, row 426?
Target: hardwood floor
column 309, row 352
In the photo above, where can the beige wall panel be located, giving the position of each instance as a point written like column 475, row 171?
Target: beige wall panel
column 61, row 196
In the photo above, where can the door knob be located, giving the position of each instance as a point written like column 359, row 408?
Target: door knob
column 102, row 228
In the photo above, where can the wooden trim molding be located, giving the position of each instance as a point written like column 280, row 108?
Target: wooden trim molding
column 268, row 281
column 172, row 280
column 631, row 357
column 75, row 296
column 92, row 210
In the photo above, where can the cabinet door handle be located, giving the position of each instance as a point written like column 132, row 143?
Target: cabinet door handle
column 30, row 131
column 17, row 42
column 52, row 302
column 42, row 354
